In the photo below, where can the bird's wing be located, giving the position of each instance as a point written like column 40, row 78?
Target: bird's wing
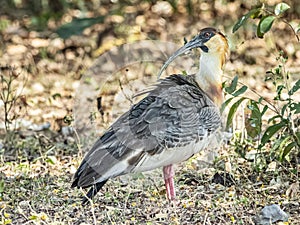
column 174, row 114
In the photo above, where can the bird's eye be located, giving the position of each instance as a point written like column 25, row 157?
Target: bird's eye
column 207, row 34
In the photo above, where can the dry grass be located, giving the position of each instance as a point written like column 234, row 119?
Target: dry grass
column 38, row 192
column 37, row 167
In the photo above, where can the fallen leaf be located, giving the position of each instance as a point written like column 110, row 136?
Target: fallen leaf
column 292, row 190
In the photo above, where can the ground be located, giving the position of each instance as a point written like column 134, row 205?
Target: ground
column 40, row 153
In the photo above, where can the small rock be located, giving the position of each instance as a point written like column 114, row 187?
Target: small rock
column 16, row 49
column 270, row 215
column 38, row 87
column 21, row 123
column 163, row 8
column 67, row 131
column 40, row 127
column 290, row 48
column 57, row 43
column 70, row 140
column 272, row 167
column 39, row 43
column 16, row 30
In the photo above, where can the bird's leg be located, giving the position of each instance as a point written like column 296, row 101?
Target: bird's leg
column 169, row 181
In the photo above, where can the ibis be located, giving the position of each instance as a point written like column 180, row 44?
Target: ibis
column 178, row 118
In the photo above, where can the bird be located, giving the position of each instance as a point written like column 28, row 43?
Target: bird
column 176, row 119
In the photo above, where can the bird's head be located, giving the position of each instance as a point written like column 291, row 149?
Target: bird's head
column 214, row 48
column 209, row 40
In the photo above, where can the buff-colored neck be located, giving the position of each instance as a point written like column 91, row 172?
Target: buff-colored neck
column 209, row 77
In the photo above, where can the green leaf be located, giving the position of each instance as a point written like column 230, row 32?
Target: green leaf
column 2, row 185
column 265, row 24
column 266, row 107
column 240, row 91
column 56, row 95
column 51, row 159
column 256, row 14
column 230, row 89
column 77, row 26
column 232, row 111
column 255, row 121
column 288, row 149
column 280, row 88
column 295, row 107
column 278, row 145
column 298, row 135
column 284, row 107
column 258, row 31
column 271, row 130
column 252, row 13
column 33, row 217
column 260, row 100
column 273, row 118
column 225, row 104
column 281, row 8
column 295, row 88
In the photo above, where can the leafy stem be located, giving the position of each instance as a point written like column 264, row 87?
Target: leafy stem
column 266, row 19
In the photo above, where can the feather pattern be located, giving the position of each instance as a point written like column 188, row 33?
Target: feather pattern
column 167, row 126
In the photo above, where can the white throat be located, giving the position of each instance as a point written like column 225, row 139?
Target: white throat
column 210, row 70
column 209, row 77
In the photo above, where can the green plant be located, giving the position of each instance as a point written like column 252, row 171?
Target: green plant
column 283, row 122
column 266, row 16
column 277, row 138
column 282, row 126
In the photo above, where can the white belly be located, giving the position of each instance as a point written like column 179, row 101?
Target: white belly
column 171, row 156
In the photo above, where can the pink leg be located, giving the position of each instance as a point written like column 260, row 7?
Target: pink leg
column 169, row 181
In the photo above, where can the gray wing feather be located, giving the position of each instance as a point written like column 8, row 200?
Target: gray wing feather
column 175, row 113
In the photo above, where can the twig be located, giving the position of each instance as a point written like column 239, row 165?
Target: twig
column 125, row 95
column 92, row 206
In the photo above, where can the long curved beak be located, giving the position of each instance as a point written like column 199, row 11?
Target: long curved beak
column 196, row 42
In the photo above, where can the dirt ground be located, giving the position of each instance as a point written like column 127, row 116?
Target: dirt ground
column 59, row 81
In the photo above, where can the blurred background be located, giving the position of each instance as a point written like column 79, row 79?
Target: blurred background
column 54, row 42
